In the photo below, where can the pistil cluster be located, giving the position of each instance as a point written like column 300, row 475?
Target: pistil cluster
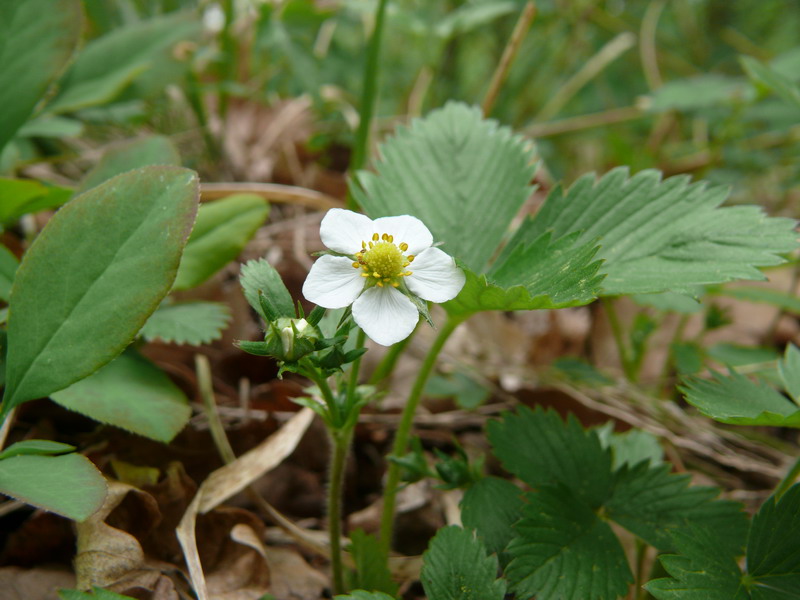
column 383, row 260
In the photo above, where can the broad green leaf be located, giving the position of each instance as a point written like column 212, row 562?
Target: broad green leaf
column 539, row 448
column 734, row 355
column 92, row 277
column 96, row 594
column 700, row 92
column 192, row 323
column 564, row 551
column 665, row 235
column 222, row 230
column 50, row 126
column 789, row 369
column 260, row 276
column 132, row 393
column 37, row 39
column 8, row 269
column 771, row 79
column 652, row 503
column 68, row 485
column 670, row 301
column 773, row 548
column 630, row 447
column 372, row 572
column 455, row 567
column 687, row 357
column 23, row 196
column 35, row 447
column 463, row 176
column 364, row 595
column 491, row 507
column 152, row 150
column 463, row 389
column 737, row 400
column 140, row 54
column 782, row 300
column 700, row 572
column 467, row 17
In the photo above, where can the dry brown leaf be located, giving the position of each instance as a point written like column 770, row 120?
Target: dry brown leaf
column 17, row 583
column 292, row 577
column 231, row 479
column 243, row 572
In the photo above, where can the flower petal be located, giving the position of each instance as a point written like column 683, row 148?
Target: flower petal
column 406, row 229
column 343, row 230
column 385, row 315
column 435, row 276
column 333, row 282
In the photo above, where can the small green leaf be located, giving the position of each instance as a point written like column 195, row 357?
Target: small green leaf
column 29, row 447
column 143, row 152
column 192, row 323
column 737, row 400
column 580, row 371
column 37, row 40
column 789, row 369
column 467, row 393
column 68, row 485
column 564, row 551
column 372, row 572
column 539, row 448
column 260, row 276
column 687, row 356
column 24, row 196
column 491, row 507
column 222, row 230
column 771, row 79
column 782, row 300
column 364, row 595
column 455, row 567
column 132, row 393
column 461, row 175
column 665, row 235
column 630, row 447
column 50, row 126
column 699, row 92
column 733, row 355
column 671, row 301
column 103, row 90
column 96, row 594
column 8, row 269
column 92, row 277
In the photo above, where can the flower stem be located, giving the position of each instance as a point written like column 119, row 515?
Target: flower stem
column 404, row 429
column 352, row 383
column 341, row 443
column 619, row 338
column 386, row 366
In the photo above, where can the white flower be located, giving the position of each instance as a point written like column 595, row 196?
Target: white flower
column 376, row 275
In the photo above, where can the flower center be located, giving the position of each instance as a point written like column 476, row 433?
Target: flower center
column 383, row 260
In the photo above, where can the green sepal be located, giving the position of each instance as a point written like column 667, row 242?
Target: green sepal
column 315, row 316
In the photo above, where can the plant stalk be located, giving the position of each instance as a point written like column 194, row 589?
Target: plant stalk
column 619, row 338
column 404, row 430
column 341, row 443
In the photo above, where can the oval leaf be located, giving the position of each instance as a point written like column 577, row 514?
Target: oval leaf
column 68, row 485
column 93, row 276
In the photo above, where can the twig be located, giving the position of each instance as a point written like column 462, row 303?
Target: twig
column 510, row 52
column 600, row 119
column 647, row 44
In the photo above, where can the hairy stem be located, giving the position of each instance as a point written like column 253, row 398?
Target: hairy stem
column 404, row 430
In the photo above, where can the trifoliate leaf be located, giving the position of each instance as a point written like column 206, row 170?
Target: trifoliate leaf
column 789, row 369
column 192, row 323
column 372, row 572
column 652, row 503
column 665, row 235
column 539, row 448
column 564, row 551
column 737, row 400
column 463, row 176
column 456, row 567
column 220, row 233
column 260, row 276
column 491, row 507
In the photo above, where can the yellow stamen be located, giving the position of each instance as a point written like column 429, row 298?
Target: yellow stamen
column 391, row 238
column 356, row 265
column 380, row 284
column 376, row 275
column 410, row 258
column 375, row 237
column 385, row 237
column 403, row 246
column 395, row 284
column 365, row 274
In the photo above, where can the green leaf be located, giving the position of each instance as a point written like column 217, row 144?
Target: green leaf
column 687, row 356
column 539, row 448
column 789, row 369
column 132, row 393
column 364, row 595
column 143, row 152
column 580, row 371
column 771, row 79
column 222, row 230
column 8, row 269
column 455, row 567
column 737, row 400
column 96, row 594
column 630, row 447
column 372, row 572
column 23, row 196
column 29, row 447
column 192, row 323
column 652, row 503
column 773, row 549
column 37, row 39
column 260, row 276
column 467, row 393
column 92, row 277
column 491, row 507
column 699, row 92
column 564, row 551
column 734, row 355
column 143, row 51
column 665, row 235
column 670, row 301
column 68, row 485
column 701, row 572
column 782, row 300
column 463, row 176
column 49, row 126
